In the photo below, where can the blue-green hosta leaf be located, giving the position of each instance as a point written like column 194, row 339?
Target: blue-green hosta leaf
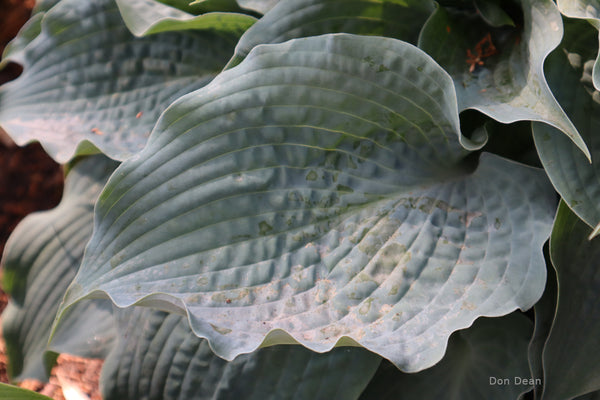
column 159, row 357
column 10, row 392
column 41, row 258
column 590, row 11
column 476, row 365
column 571, row 359
column 44, row 5
column 88, row 80
column 145, row 17
column 572, row 175
column 28, row 32
column 301, row 18
column 318, row 194
column 509, row 84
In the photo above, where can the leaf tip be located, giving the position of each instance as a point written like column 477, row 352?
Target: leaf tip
column 594, row 233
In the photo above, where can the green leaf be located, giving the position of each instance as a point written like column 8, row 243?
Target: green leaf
column 87, row 80
column 10, row 392
column 260, row 6
column 145, row 17
column 318, row 194
column 476, row 366
column 571, row 362
column 40, row 260
column 513, row 141
column 182, row 366
column 509, row 86
column 492, row 13
column 590, row 396
column 569, row 74
column 544, row 315
column 590, row 11
column 205, row 6
column 301, row 18
column 257, row 6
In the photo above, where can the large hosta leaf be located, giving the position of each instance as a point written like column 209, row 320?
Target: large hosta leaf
column 475, row 367
column 40, row 260
column 182, row 366
column 300, row 18
column 318, row 193
column 590, row 11
column 87, row 79
column 571, row 358
column 569, row 75
column 509, row 84
column 144, row 17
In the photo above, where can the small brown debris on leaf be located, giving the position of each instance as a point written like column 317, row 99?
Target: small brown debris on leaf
column 139, row 115
column 484, row 48
column 97, row 131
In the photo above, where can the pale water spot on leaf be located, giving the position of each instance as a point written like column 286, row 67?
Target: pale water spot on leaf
column 366, row 306
column 222, row 331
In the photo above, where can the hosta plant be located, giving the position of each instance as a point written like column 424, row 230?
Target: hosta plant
column 312, row 199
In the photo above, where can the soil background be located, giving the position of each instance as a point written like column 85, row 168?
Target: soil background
column 31, row 181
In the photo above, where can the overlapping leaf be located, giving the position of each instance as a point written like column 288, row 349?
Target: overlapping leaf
column 318, row 193
column 204, row 6
column 88, row 80
column 9, row 392
column 572, row 175
column 182, row 366
column 501, row 74
column 40, row 260
column 477, row 359
column 544, row 315
column 260, row 6
column 590, row 11
column 301, row 18
column 492, row 13
column 571, row 360
column 145, row 17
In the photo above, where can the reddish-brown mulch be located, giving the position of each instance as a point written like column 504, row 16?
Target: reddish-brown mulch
column 30, row 181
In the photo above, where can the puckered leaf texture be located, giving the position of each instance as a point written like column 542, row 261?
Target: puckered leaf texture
column 318, row 193
column 89, row 84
